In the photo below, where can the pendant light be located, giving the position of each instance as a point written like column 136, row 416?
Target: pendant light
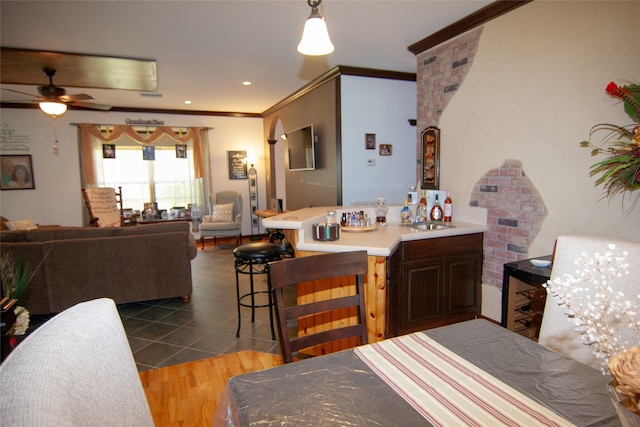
column 53, row 108
column 315, row 37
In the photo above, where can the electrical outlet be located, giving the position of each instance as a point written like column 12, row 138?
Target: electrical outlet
column 371, row 162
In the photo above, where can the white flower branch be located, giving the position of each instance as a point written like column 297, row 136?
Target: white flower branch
column 599, row 312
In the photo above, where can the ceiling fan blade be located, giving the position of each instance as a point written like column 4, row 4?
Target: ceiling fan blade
column 22, row 93
column 91, row 106
column 74, row 98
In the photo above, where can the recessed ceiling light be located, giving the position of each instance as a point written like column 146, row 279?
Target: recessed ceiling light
column 246, row 83
column 187, row 102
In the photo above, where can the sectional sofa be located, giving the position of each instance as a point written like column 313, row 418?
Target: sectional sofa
column 130, row 264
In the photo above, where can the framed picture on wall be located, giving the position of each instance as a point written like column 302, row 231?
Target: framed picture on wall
column 181, row 151
column 237, row 164
column 370, row 141
column 149, row 152
column 386, row 149
column 430, row 162
column 17, row 172
column 108, row 151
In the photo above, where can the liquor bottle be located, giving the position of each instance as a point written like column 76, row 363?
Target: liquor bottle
column 405, row 213
column 448, row 207
column 436, row 211
column 423, row 213
column 381, row 211
column 412, row 195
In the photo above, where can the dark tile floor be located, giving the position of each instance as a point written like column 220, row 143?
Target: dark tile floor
column 168, row 332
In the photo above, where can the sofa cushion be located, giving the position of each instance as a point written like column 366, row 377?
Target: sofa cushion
column 22, row 224
column 63, row 233
column 14, row 236
column 163, row 227
column 223, row 213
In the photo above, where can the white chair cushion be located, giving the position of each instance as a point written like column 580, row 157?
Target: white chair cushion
column 223, row 213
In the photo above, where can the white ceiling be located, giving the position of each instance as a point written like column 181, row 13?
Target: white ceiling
column 206, row 49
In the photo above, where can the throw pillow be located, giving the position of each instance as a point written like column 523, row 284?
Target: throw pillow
column 22, row 224
column 223, row 213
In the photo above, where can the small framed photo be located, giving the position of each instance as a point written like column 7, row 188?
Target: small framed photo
column 149, row 153
column 386, row 149
column 17, row 172
column 370, row 141
column 108, row 151
column 181, row 151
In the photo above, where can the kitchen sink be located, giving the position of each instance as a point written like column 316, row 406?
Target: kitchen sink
column 431, row 225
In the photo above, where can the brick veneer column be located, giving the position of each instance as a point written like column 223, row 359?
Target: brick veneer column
column 515, row 212
column 440, row 74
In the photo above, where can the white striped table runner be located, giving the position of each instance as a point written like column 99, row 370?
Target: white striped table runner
column 449, row 391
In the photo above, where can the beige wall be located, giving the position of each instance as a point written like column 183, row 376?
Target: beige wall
column 534, row 90
column 318, row 187
column 57, row 198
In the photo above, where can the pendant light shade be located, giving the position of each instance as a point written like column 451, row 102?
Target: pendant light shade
column 53, row 108
column 315, row 37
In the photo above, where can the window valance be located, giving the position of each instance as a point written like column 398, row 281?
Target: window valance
column 114, row 132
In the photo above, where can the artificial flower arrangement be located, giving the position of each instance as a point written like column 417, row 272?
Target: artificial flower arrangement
column 602, row 316
column 620, row 171
column 15, row 279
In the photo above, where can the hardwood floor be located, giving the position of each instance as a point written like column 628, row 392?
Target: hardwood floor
column 187, row 394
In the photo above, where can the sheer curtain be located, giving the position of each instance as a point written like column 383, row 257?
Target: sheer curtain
column 170, row 179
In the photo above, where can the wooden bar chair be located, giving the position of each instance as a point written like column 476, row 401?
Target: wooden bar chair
column 320, row 321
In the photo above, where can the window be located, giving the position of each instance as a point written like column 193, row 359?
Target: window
column 169, row 179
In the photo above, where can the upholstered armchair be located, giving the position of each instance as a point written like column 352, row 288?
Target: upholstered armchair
column 225, row 219
column 75, row 370
column 557, row 331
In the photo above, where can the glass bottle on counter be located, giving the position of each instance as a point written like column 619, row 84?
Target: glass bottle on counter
column 436, row 211
column 423, row 214
column 405, row 213
column 412, row 195
column 381, row 211
column 448, row 207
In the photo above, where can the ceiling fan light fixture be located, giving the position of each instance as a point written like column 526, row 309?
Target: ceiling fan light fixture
column 315, row 37
column 53, row 108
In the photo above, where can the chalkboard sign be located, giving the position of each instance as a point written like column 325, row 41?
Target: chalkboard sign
column 237, row 164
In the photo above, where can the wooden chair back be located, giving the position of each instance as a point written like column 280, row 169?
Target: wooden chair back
column 338, row 269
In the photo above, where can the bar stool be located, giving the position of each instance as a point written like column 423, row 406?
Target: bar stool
column 254, row 258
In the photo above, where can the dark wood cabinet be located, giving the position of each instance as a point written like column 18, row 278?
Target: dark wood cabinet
column 436, row 282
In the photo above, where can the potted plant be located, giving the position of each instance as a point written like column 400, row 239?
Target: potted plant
column 14, row 318
column 620, row 170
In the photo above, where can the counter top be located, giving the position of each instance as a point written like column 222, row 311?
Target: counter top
column 378, row 242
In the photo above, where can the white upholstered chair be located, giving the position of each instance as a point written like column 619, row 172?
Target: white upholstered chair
column 75, row 370
column 557, row 331
column 226, row 217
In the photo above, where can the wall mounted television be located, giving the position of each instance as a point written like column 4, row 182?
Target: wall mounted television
column 301, row 149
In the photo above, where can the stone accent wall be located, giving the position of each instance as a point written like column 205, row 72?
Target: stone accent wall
column 440, row 74
column 515, row 212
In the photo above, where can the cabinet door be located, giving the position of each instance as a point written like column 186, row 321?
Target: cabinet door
column 462, row 290
column 421, row 294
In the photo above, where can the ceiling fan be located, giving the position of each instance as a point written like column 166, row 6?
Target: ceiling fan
column 53, row 99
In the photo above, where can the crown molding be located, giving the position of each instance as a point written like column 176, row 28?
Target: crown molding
column 467, row 23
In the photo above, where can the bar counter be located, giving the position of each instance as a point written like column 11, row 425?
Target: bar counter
column 380, row 243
